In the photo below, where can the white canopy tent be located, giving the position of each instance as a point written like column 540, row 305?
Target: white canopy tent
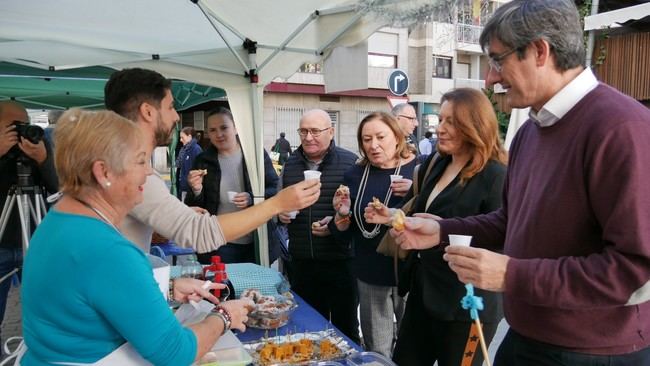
column 239, row 46
column 617, row 17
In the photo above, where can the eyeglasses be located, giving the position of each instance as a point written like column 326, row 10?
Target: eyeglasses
column 495, row 61
column 315, row 132
column 407, row 117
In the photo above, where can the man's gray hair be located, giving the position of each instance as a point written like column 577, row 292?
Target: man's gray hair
column 520, row 22
column 398, row 109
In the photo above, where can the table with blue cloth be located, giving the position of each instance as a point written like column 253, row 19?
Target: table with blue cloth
column 270, row 282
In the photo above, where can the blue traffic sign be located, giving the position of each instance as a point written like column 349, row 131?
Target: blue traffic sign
column 398, row 82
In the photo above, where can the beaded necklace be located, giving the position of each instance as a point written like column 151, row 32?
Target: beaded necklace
column 358, row 210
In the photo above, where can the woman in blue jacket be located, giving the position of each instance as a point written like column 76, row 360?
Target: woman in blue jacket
column 185, row 159
column 221, row 169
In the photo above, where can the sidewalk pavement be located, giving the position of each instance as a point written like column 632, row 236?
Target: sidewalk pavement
column 12, row 324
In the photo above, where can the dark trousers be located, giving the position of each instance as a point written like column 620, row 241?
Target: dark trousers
column 517, row 350
column 230, row 253
column 284, row 156
column 330, row 288
column 423, row 339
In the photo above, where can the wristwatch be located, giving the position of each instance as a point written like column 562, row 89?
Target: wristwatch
column 222, row 314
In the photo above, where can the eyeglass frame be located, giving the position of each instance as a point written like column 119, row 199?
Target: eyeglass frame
column 315, row 132
column 407, row 117
column 495, row 61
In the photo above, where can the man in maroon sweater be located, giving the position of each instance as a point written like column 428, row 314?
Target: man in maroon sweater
column 575, row 223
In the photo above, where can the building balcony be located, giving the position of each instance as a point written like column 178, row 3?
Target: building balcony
column 467, row 37
column 468, row 33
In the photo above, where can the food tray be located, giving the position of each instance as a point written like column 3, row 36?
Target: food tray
column 298, row 349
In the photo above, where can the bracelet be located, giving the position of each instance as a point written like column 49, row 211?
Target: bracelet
column 222, row 314
column 170, row 293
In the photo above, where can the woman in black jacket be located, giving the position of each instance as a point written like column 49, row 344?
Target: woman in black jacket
column 226, row 186
column 466, row 180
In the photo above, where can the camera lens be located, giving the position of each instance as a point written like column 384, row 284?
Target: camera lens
column 34, row 134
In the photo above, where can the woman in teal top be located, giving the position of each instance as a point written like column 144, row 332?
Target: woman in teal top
column 86, row 289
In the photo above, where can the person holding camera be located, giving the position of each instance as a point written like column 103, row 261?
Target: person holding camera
column 16, row 148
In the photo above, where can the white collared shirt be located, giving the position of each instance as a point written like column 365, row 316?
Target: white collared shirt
column 565, row 99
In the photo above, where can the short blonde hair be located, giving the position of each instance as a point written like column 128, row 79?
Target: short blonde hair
column 389, row 120
column 84, row 137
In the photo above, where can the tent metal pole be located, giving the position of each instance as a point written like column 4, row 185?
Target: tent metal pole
column 222, row 35
column 344, row 29
column 338, row 10
column 314, row 15
column 91, row 105
column 206, row 9
column 26, row 100
column 310, row 51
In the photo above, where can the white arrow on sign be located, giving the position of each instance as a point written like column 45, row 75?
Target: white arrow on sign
column 398, row 78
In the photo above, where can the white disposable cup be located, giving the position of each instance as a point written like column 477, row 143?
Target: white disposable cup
column 394, row 177
column 292, row 214
column 461, row 240
column 312, row 174
column 231, row 195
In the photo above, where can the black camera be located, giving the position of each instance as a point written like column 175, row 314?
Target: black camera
column 32, row 133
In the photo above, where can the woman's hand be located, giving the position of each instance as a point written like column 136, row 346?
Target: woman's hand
column 375, row 215
column 238, row 311
column 341, row 203
column 186, row 289
column 242, row 200
column 320, row 228
column 195, row 179
column 401, row 186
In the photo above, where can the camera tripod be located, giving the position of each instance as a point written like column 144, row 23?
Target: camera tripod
column 20, row 198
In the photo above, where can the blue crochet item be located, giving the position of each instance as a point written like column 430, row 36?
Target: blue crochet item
column 471, row 302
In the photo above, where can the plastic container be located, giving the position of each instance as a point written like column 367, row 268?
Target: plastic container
column 329, row 363
column 273, row 318
column 270, row 312
column 369, row 359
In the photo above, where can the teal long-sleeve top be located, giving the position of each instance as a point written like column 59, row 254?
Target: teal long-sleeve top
column 87, row 290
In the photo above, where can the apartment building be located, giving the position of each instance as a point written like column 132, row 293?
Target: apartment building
column 437, row 56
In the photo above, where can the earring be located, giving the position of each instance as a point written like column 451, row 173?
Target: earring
column 107, row 184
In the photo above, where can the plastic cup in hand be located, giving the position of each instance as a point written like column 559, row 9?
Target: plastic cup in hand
column 312, row 174
column 292, row 214
column 394, row 177
column 231, row 195
column 460, row 240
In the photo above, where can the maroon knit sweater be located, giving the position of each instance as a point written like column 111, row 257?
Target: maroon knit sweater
column 576, row 223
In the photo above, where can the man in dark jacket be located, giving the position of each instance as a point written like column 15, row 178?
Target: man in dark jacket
column 39, row 159
column 282, row 147
column 320, row 270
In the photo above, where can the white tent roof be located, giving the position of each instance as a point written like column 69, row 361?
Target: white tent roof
column 616, row 17
column 199, row 41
